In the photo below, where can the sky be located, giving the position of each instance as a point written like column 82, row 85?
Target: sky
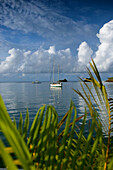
column 34, row 33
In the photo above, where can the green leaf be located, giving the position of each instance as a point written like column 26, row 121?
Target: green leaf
column 14, row 121
column 64, row 142
column 42, row 139
column 20, row 129
column 95, row 147
column 79, row 141
column 14, row 139
column 26, row 125
column 36, row 126
column 6, row 158
column 66, row 159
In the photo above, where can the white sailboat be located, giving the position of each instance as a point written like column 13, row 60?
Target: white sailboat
column 36, row 81
column 55, row 84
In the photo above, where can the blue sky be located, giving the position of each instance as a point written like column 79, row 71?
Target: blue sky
column 32, row 32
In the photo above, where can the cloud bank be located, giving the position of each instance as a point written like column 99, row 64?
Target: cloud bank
column 38, row 61
column 41, row 60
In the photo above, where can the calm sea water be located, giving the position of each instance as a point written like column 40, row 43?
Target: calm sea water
column 20, row 96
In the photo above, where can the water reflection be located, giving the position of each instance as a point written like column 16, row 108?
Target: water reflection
column 20, row 96
column 55, row 95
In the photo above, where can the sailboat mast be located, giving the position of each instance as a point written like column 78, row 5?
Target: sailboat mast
column 58, row 72
column 53, row 69
column 57, row 84
column 35, row 76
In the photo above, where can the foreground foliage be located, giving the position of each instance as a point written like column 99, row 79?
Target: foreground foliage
column 47, row 146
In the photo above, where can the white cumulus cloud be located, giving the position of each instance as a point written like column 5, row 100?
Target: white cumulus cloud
column 84, row 53
column 38, row 61
column 104, row 55
column 51, row 50
column 10, row 63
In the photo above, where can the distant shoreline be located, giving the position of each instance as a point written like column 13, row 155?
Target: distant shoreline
column 110, row 79
column 31, row 81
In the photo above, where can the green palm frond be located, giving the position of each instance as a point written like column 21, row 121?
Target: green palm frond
column 20, row 128
column 43, row 149
column 79, row 142
column 26, row 125
column 6, row 157
column 99, row 105
column 14, row 138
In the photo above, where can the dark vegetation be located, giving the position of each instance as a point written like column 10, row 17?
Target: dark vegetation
column 110, row 79
column 64, row 80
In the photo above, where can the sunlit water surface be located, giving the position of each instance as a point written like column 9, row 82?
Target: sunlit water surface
column 20, row 96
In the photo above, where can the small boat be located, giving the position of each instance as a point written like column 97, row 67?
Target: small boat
column 36, row 82
column 56, row 84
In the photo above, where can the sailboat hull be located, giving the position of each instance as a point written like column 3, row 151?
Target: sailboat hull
column 55, row 84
